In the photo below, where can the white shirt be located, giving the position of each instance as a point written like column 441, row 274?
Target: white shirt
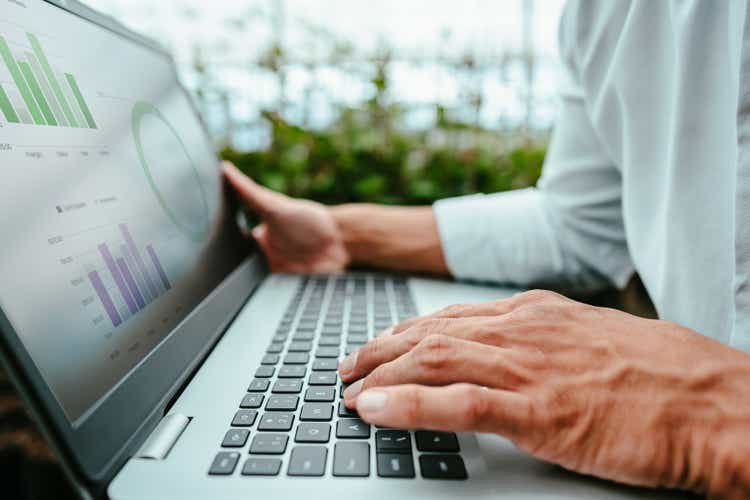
column 643, row 171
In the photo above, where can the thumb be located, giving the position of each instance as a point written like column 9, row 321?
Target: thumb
column 260, row 199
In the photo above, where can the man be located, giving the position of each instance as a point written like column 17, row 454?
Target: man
column 648, row 169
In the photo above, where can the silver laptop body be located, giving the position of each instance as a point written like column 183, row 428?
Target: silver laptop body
column 159, row 357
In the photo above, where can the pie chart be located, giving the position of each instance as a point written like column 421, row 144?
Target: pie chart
column 170, row 171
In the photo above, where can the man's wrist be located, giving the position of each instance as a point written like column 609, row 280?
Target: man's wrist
column 346, row 217
column 398, row 238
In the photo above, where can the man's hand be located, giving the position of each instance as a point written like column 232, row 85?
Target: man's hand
column 302, row 236
column 595, row 390
column 297, row 236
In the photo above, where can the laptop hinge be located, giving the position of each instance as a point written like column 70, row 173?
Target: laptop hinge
column 164, row 437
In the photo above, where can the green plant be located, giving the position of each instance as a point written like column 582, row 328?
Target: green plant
column 356, row 161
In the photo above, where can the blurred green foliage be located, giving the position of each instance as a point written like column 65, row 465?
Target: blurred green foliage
column 354, row 162
column 367, row 155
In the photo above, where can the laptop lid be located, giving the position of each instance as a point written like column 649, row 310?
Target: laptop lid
column 120, row 262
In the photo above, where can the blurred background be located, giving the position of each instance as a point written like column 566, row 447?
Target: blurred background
column 347, row 100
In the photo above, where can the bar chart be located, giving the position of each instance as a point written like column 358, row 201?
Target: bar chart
column 38, row 93
column 138, row 277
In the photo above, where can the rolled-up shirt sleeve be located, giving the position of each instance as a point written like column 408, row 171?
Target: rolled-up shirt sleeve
column 502, row 237
column 567, row 231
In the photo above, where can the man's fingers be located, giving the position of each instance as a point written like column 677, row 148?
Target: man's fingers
column 383, row 349
column 443, row 360
column 260, row 199
column 494, row 308
column 458, row 407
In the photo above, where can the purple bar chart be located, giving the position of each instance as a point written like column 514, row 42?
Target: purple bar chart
column 137, row 281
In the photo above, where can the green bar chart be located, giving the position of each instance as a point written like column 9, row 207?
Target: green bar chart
column 37, row 93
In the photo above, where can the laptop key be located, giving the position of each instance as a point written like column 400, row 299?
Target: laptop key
column 392, row 441
column 329, row 341
column 296, row 358
column 235, row 438
column 322, row 394
column 292, row 371
column 442, row 467
column 312, row 433
column 300, row 336
column 258, row 385
column 270, row 359
column 395, row 465
column 252, row 401
column 287, row 386
column 244, row 418
column 327, row 352
column 316, row 412
column 224, row 463
column 300, row 346
column 325, row 365
column 356, row 338
column 269, row 444
column 352, row 428
column 322, row 378
column 279, row 337
column 276, row 422
column 346, row 412
column 275, row 348
column 282, row 403
column 261, row 467
column 351, row 459
column 264, row 371
column 436, row 441
column 308, row 461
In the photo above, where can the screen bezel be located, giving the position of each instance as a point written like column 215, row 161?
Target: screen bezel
column 96, row 448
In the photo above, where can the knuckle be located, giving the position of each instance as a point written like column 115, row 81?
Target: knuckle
column 370, row 352
column 452, row 310
column 539, row 295
column 377, row 378
column 476, row 407
column 432, row 353
column 436, row 325
column 530, row 312
column 415, row 408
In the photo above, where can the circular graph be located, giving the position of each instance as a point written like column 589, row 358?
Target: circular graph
column 170, row 171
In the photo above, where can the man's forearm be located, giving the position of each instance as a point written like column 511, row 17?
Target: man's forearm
column 398, row 238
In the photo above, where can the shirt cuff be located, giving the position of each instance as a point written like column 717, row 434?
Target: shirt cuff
column 501, row 237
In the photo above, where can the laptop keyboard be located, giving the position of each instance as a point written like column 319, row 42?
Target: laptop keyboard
column 294, row 409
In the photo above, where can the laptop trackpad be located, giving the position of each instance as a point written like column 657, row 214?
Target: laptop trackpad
column 433, row 294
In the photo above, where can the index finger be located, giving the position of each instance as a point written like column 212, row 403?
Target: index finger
column 458, row 407
column 260, row 199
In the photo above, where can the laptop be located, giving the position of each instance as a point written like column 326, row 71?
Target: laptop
column 158, row 355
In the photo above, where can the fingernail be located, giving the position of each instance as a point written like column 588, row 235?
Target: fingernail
column 386, row 332
column 349, row 362
column 371, row 400
column 354, row 389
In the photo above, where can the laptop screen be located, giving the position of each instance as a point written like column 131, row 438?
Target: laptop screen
column 110, row 200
